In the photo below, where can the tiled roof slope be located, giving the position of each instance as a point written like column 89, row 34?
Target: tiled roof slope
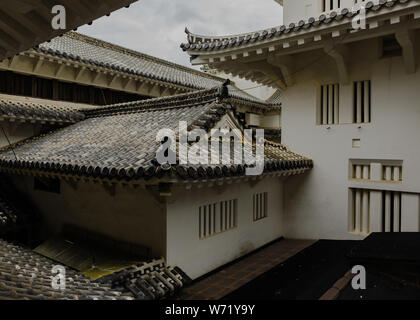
column 120, row 142
column 19, row 111
column 275, row 99
column 197, row 43
column 84, row 49
column 25, row 274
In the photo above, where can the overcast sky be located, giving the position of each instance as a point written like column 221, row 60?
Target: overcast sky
column 156, row 27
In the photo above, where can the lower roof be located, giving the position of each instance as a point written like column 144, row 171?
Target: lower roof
column 120, row 141
column 27, row 275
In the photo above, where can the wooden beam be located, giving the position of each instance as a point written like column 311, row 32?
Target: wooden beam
column 406, row 38
column 96, row 76
column 38, row 64
column 126, row 82
column 13, row 61
column 339, row 53
column 60, row 70
column 114, row 78
column 284, row 63
column 79, row 73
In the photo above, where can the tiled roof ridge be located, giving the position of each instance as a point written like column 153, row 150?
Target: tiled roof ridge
column 275, row 98
column 37, row 112
column 214, row 43
column 94, row 52
column 176, row 101
column 137, row 54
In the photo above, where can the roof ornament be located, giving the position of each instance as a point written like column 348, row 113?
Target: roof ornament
column 187, row 31
column 224, row 90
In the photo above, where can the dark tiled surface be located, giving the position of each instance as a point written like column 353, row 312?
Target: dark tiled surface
column 119, row 141
column 275, row 99
column 25, row 274
column 228, row 279
column 198, row 43
column 35, row 112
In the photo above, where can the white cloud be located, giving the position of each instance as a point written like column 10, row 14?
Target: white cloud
column 156, row 27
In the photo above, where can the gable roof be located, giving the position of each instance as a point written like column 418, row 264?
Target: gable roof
column 208, row 44
column 119, row 142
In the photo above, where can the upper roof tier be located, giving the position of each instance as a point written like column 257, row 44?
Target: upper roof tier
column 93, row 52
column 28, row 23
column 198, row 45
column 261, row 56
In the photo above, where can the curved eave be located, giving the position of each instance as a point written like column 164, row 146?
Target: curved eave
column 294, row 36
column 153, row 175
column 26, row 24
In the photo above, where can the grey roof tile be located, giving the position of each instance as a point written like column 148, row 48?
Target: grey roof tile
column 81, row 48
column 119, row 141
column 25, row 274
column 196, row 43
column 18, row 111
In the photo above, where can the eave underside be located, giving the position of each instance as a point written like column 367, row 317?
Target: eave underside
column 27, row 23
column 271, row 62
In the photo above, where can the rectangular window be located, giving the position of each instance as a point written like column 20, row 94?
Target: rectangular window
column 386, row 171
column 391, row 173
column 216, row 218
column 361, row 101
column 361, row 171
column 360, row 216
column 51, row 185
column 391, row 211
column 328, row 110
column 360, row 211
column 330, row 5
column 260, row 205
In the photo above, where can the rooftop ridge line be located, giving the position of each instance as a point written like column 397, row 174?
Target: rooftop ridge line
column 118, row 48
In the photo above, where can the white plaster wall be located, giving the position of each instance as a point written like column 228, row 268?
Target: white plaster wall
column 317, row 203
column 132, row 215
column 296, row 10
column 197, row 257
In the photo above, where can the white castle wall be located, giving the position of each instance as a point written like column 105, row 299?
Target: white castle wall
column 317, row 204
column 198, row 256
